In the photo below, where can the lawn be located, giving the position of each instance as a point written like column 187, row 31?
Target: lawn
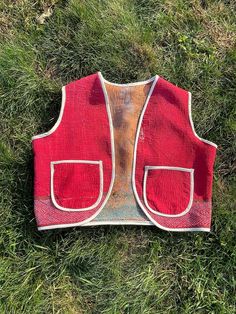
column 114, row 269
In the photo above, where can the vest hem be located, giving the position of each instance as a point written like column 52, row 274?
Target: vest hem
column 118, row 223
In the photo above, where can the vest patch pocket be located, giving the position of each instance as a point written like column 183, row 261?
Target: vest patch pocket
column 76, row 185
column 168, row 191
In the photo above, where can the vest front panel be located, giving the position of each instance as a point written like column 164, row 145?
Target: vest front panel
column 73, row 164
column 174, row 168
column 123, row 154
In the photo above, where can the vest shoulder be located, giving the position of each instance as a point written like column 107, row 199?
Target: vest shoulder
column 83, row 81
column 171, row 87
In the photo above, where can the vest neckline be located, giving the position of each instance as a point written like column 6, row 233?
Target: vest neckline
column 153, row 78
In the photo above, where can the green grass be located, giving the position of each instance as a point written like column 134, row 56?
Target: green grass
column 114, row 269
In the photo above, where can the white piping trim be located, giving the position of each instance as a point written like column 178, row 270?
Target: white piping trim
column 52, row 163
column 55, row 126
column 169, row 168
column 191, row 122
column 133, row 172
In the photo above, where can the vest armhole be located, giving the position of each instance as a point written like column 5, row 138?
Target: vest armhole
column 55, row 126
column 192, row 124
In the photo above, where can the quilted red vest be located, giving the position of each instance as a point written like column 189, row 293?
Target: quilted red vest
column 75, row 161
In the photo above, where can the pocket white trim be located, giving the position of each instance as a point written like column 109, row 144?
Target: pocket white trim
column 99, row 162
column 191, row 170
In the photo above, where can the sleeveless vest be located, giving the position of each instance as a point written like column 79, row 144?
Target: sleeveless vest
column 123, row 154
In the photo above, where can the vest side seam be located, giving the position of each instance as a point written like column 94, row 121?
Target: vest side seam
column 192, row 124
column 187, row 209
column 57, row 123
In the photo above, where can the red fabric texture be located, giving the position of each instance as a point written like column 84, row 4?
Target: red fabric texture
column 84, row 134
column 76, row 185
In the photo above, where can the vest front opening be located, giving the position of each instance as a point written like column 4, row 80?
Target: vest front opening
column 126, row 103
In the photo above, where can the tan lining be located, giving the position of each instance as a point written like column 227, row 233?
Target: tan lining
column 126, row 103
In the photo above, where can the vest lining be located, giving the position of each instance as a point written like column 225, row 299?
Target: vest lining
column 125, row 103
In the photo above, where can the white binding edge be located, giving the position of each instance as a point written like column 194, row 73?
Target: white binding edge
column 191, row 170
column 55, row 126
column 99, row 162
column 191, row 122
column 133, row 172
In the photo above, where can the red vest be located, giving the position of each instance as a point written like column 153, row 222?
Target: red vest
column 74, row 162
